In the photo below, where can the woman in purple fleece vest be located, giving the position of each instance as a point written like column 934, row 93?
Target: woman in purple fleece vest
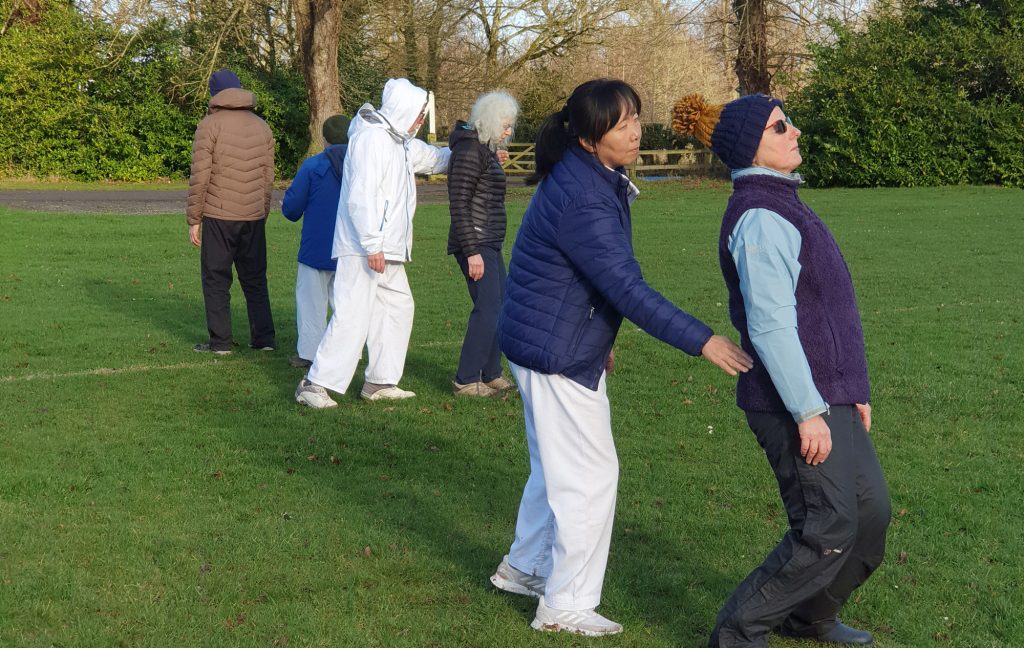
column 791, row 298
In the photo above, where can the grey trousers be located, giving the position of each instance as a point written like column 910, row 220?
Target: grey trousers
column 838, row 516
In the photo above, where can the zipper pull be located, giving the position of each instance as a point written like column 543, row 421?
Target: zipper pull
column 591, row 313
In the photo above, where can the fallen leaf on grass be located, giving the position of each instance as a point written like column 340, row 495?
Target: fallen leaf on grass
column 234, row 623
column 311, row 457
column 902, row 560
column 204, row 568
column 335, row 460
column 366, row 551
column 217, row 474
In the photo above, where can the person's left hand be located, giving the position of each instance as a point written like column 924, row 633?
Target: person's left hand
column 609, row 364
column 864, row 409
column 194, row 235
column 502, row 156
column 475, row 267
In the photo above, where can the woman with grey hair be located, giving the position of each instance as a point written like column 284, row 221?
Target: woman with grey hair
column 476, row 196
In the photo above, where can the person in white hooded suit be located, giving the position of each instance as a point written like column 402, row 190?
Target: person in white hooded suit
column 372, row 243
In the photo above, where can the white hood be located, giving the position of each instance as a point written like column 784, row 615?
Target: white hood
column 378, row 187
column 401, row 103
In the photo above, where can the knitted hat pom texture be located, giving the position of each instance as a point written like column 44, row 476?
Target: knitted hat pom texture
column 693, row 115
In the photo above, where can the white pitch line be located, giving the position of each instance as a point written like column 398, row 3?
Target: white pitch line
column 110, row 371
column 104, row 371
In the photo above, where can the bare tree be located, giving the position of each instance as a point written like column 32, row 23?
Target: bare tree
column 752, row 53
column 513, row 33
column 317, row 26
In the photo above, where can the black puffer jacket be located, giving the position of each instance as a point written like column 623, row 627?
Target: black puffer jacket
column 476, row 194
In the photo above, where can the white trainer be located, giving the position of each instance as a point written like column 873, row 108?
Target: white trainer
column 583, row 622
column 509, row 579
column 313, row 395
column 387, row 393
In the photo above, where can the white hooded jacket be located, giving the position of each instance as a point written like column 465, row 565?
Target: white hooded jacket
column 378, row 188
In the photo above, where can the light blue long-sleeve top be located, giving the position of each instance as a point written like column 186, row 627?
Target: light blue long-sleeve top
column 766, row 250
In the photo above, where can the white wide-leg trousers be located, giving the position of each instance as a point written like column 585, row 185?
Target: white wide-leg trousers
column 314, row 292
column 371, row 309
column 565, row 519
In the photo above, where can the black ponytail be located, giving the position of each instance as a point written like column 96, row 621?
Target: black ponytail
column 592, row 110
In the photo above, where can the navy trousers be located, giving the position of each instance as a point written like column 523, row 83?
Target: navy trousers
column 838, row 516
column 480, row 359
column 244, row 245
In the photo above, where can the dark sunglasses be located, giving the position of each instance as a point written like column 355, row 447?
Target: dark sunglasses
column 781, row 126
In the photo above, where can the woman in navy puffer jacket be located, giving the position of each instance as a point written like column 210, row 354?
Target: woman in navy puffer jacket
column 572, row 278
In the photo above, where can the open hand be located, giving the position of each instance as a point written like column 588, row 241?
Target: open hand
column 730, row 358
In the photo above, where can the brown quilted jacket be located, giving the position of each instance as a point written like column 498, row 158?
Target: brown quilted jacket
column 232, row 161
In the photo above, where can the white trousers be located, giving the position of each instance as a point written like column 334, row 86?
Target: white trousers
column 371, row 309
column 565, row 519
column 314, row 292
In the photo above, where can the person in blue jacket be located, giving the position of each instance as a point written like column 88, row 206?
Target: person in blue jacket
column 791, row 298
column 314, row 194
column 572, row 278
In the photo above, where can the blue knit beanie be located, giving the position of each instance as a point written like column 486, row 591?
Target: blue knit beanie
column 222, row 80
column 732, row 131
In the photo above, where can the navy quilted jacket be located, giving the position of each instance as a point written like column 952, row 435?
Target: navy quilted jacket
column 573, row 277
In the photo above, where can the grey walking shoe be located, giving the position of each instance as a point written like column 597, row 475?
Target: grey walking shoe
column 480, row 389
column 313, row 395
column 509, row 579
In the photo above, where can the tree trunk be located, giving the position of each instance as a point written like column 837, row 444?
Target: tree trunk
column 752, row 55
column 434, row 44
column 317, row 26
column 412, row 65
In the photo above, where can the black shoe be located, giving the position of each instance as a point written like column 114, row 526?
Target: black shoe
column 847, row 636
column 204, row 347
column 263, row 347
column 300, row 363
column 841, row 634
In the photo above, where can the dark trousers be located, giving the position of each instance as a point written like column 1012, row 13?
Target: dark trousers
column 838, row 515
column 243, row 244
column 481, row 357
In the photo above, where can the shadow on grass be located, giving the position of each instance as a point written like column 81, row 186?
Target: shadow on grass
column 481, row 481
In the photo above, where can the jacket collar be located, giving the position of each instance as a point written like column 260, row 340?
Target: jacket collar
column 616, row 178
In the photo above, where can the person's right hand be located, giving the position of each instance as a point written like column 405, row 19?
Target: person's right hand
column 815, row 440
column 475, row 268
column 376, row 262
column 194, row 235
column 723, row 352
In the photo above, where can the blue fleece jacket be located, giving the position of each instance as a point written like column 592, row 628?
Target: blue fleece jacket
column 314, row 193
column 572, row 277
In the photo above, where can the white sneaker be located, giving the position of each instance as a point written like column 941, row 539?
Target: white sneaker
column 313, row 395
column 509, row 579
column 584, row 622
column 388, row 393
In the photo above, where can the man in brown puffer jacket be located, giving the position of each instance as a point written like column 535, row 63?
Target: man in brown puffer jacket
column 229, row 198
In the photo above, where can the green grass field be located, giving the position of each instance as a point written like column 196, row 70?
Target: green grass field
column 151, row 496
